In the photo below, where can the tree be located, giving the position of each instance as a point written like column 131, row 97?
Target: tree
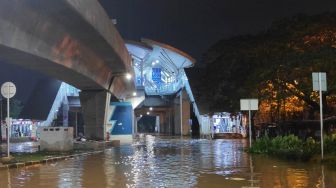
column 15, row 108
column 274, row 65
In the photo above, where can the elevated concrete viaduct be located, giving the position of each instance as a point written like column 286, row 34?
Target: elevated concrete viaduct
column 73, row 41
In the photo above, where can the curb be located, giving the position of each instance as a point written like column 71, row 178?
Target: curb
column 46, row 161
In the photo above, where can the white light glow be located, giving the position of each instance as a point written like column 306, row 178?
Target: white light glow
column 151, row 108
column 128, row 76
column 134, row 94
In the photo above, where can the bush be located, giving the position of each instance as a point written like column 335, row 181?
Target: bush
column 288, row 147
column 261, row 145
column 330, row 144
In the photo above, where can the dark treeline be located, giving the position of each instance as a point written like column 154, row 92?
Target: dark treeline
column 274, row 66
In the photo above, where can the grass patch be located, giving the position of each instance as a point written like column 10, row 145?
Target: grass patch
column 40, row 155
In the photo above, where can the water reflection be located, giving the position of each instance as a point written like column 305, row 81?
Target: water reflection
column 27, row 147
column 161, row 162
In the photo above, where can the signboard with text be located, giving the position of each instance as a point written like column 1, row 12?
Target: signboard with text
column 316, row 81
column 248, row 104
column 156, row 75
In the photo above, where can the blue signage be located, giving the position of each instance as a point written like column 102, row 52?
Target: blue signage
column 156, row 75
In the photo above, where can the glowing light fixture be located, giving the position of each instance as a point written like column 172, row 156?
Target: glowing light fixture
column 134, row 94
column 128, row 76
column 147, row 113
column 151, row 108
column 155, row 62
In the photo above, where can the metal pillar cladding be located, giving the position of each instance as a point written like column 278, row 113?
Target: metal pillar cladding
column 320, row 84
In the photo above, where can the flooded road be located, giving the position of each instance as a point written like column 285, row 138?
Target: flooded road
column 160, row 162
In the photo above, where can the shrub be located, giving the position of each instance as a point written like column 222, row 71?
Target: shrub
column 261, row 145
column 288, row 147
column 330, row 144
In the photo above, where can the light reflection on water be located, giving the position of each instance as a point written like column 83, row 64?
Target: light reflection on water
column 160, row 162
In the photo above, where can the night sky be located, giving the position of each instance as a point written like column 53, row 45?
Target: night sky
column 190, row 25
column 194, row 25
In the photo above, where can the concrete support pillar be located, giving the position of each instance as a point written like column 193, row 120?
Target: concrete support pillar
column 94, row 108
column 182, row 114
column 177, row 117
column 185, row 114
column 163, row 122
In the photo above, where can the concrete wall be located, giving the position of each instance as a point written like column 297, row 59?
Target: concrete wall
column 56, row 138
column 123, row 139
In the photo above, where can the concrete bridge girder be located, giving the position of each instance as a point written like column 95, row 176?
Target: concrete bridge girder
column 70, row 40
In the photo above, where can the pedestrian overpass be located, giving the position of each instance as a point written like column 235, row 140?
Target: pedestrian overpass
column 162, row 91
column 159, row 71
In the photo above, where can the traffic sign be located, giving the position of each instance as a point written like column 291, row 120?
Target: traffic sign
column 320, row 84
column 249, row 104
column 8, row 90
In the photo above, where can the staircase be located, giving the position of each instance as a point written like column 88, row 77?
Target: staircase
column 203, row 121
column 64, row 91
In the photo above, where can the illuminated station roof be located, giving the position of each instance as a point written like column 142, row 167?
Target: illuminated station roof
column 159, row 68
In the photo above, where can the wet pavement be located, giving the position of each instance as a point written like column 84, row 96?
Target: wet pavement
column 163, row 162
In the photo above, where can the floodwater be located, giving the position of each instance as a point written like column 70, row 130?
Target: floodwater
column 163, row 162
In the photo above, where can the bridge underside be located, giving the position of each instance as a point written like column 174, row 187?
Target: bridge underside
column 73, row 41
column 172, row 114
